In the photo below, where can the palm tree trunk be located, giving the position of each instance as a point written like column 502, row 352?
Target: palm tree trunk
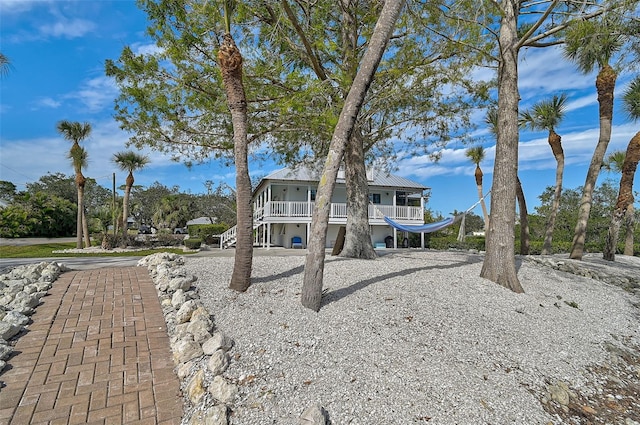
column 605, row 85
column 230, row 61
column 625, row 196
column 314, row 264
column 499, row 264
column 556, row 147
column 483, row 204
column 479, row 175
column 125, row 217
column 85, row 229
column 357, row 242
column 80, row 181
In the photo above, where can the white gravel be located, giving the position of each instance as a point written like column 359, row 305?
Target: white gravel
column 411, row 337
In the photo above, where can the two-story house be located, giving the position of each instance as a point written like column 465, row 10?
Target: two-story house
column 283, row 205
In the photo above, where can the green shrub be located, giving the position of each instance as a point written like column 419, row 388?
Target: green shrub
column 168, row 239
column 193, row 243
column 206, row 232
column 451, row 242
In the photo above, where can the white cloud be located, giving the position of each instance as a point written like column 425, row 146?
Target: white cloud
column 145, row 49
column 19, row 6
column 534, row 154
column 96, row 94
column 47, row 102
column 546, row 71
column 67, row 28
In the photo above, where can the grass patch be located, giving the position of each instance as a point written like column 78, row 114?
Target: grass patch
column 46, row 251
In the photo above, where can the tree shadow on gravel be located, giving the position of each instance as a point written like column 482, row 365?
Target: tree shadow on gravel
column 287, row 273
column 341, row 293
column 283, row 275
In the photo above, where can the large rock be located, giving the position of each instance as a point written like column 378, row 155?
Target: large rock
column 181, row 282
column 8, row 330
column 185, row 350
column 200, row 325
column 214, row 415
column 218, row 341
column 313, row 415
column 218, row 362
column 185, row 311
column 16, row 318
column 222, row 390
column 195, row 388
column 178, row 298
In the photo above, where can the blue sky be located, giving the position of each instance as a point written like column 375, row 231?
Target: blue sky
column 58, row 49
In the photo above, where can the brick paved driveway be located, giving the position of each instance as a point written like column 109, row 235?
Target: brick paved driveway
column 97, row 352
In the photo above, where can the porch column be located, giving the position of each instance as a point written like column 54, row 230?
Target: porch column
column 268, row 238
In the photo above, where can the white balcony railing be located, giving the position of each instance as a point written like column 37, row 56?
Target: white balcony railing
column 290, row 209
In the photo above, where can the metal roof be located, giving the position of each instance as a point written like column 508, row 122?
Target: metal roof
column 307, row 174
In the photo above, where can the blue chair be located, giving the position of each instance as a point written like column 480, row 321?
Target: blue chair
column 296, row 242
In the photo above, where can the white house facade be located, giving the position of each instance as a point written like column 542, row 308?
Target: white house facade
column 283, row 204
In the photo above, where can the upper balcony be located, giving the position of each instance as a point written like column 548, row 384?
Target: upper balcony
column 285, row 211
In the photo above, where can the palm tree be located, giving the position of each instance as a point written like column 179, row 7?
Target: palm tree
column 76, row 132
column 589, row 44
column 5, row 65
column 614, row 164
column 476, row 155
column 546, row 115
column 128, row 161
column 631, row 102
column 230, row 61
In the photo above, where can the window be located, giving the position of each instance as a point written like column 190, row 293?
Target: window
column 401, row 198
column 374, row 198
column 313, row 194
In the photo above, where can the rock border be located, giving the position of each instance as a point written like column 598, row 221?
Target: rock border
column 20, row 292
column 201, row 352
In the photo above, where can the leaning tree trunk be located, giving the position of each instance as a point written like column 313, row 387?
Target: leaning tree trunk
column 314, row 264
column 605, row 84
column 357, row 242
column 485, row 214
column 230, row 61
column 625, row 196
column 558, row 153
column 499, row 261
column 524, row 219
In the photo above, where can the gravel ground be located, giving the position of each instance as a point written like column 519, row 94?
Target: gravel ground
column 411, row 338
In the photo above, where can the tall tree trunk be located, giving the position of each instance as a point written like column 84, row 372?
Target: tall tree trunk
column 230, row 61
column 629, row 226
column 125, row 210
column 605, row 84
column 485, row 214
column 85, row 229
column 499, row 262
column 625, row 196
column 524, row 219
column 357, row 242
column 80, row 182
column 558, row 153
column 314, row 264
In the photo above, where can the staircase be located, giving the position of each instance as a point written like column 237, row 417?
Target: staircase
column 228, row 238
